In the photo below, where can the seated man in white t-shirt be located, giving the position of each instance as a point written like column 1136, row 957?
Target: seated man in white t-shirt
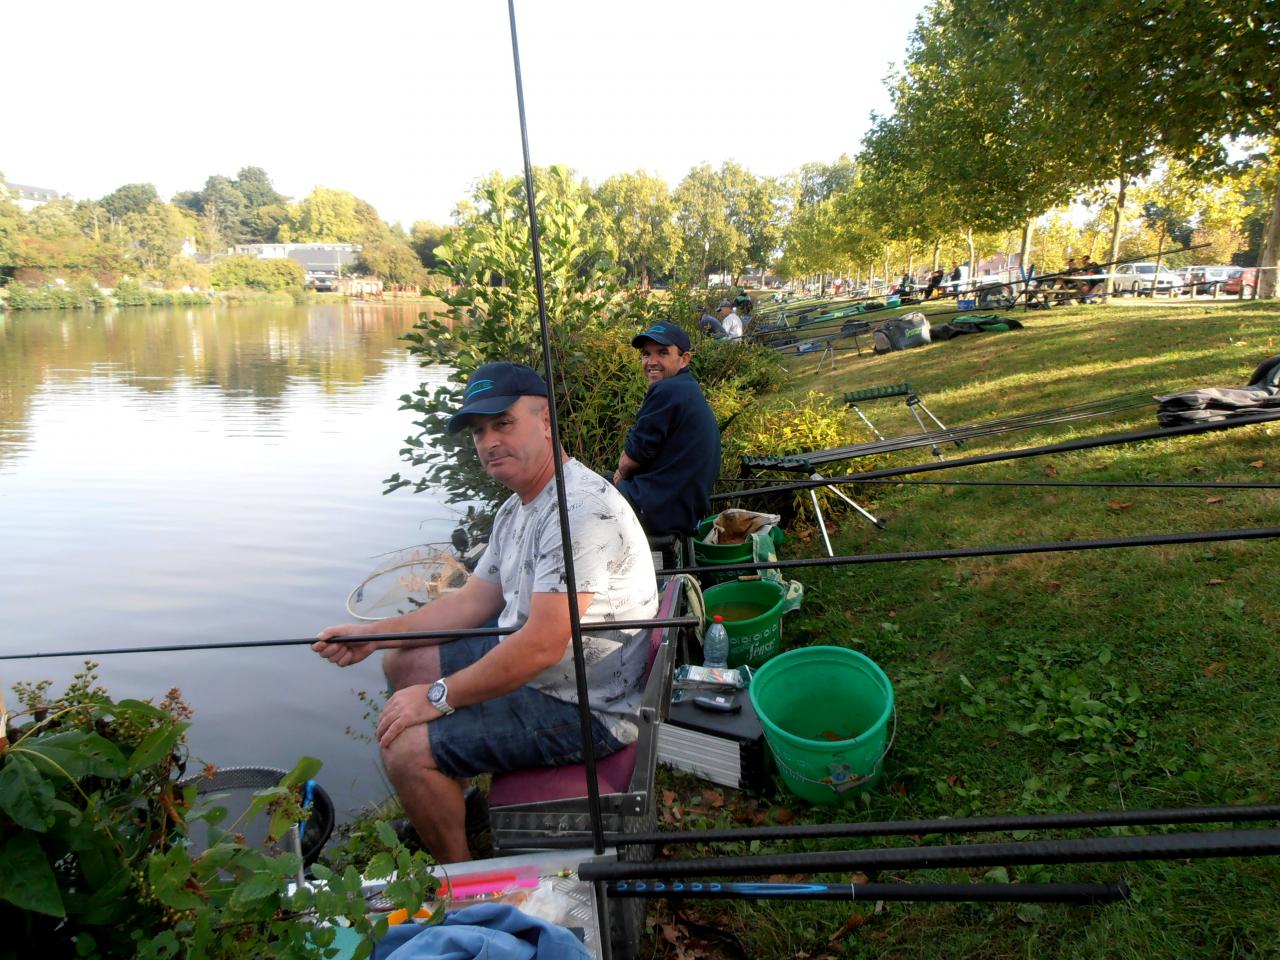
column 730, row 320
column 488, row 704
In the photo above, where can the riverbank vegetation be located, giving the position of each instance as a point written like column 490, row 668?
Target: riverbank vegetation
column 106, row 850
column 1131, row 679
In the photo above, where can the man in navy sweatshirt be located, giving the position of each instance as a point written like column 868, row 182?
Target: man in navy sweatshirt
column 672, row 454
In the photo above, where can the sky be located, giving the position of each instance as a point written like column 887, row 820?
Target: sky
column 407, row 104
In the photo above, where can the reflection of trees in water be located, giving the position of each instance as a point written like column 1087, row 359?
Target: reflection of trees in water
column 252, row 351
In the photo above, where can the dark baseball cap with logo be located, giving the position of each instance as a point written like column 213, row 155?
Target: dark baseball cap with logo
column 665, row 333
column 493, row 388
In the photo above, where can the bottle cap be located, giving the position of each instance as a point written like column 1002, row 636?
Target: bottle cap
column 717, row 618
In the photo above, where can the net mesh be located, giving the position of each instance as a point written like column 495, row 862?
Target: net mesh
column 406, row 580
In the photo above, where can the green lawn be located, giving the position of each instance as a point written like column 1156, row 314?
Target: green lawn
column 1077, row 681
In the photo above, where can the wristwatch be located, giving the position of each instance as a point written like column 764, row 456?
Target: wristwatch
column 438, row 697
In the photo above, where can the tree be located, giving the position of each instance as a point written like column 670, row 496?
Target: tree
column 638, row 214
column 425, row 237
column 393, row 260
column 755, row 213
column 158, row 232
column 708, row 240
column 1123, row 79
column 131, row 198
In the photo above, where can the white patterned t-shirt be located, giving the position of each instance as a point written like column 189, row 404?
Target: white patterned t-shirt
column 611, row 561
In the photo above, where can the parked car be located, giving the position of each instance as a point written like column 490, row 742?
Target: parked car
column 1141, row 279
column 1207, row 278
column 1241, row 279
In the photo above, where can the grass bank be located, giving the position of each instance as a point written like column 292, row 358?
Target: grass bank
column 1077, row 681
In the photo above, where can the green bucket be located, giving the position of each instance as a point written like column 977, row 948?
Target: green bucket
column 825, row 713
column 752, row 611
column 715, row 554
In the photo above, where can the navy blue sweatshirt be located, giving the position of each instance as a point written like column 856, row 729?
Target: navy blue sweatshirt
column 676, row 441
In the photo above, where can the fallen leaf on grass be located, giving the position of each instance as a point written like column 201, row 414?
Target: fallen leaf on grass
column 783, row 815
column 938, row 712
column 1119, row 504
column 1213, row 669
column 1258, row 464
column 1214, row 500
column 1051, row 471
column 952, row 779
column 1052, row 586
column 898, row 789
column 1215, row 582
column 713, row 797
column 853, row 923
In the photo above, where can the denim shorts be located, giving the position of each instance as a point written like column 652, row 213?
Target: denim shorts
column 519, row 730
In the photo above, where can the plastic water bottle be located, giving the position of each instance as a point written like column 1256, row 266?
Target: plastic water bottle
column 715, row 645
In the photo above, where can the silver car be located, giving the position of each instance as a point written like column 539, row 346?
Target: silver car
column 1141, row 279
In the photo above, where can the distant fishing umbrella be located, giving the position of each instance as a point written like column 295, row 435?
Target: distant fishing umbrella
column 406, row 580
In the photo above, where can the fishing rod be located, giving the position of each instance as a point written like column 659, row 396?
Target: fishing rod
column 961, row 553
column 1088, row 820
column 1103, row 484
column 1074, row 893
column 1174, row 846
column 1069, row 446
column 427, row 637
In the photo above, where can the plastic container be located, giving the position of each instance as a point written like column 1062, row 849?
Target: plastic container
column 825, row 713
column 714, row 554
column 752, row 612
column 715, row 645
column 966, row 304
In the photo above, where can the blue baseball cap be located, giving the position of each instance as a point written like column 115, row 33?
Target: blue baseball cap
column 665, row 333
column 493, row 388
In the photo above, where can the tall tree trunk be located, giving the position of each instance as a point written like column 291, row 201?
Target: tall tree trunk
column 937, row 253
column 1267, row 285
column 1155, row 280
column 1117, row 221
column 911, row 261
column 973, row 265
column 1024, row 255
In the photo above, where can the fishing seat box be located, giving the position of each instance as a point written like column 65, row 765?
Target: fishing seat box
column 724, row 748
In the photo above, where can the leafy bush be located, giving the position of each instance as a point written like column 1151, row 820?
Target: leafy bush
column 788, row 428
column 233, row 273
column 94, row 852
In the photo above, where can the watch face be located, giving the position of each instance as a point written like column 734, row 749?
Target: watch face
column 436, row 693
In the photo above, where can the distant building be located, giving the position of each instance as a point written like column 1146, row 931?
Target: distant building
column 324, row 263
column 28, row 198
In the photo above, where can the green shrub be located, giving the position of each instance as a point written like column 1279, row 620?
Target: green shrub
column 95, row 859
column 238, row 272
column 787, row 428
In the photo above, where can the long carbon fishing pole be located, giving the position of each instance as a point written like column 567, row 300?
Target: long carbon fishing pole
column 1089, row 443
column 426, row 638
column 1087, row 820
column 1174, row 846
column 958, row 553
column 1074, row 893
column 566, row 541
column 1189, row 485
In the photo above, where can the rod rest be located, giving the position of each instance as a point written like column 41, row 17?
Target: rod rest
column 879, row 393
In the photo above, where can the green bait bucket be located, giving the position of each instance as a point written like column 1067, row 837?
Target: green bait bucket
column 752, row 611
column 755, row 549
column 825, row 713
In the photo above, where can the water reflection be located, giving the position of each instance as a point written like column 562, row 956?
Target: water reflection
column 204, row 476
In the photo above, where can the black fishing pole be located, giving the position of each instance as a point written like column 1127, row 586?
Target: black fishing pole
column 1173, row 846
column 1012, row 550
column 1068, row 446
column 1189, row 485
column 1088, row 820
column 424, row 638
column 1074, row 893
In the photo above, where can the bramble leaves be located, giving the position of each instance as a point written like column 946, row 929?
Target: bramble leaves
column 26, row 879
column 24, row 794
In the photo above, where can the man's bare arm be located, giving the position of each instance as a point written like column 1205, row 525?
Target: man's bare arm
column 476, row 602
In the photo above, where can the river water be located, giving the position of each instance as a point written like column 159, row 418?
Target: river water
column 202, row 476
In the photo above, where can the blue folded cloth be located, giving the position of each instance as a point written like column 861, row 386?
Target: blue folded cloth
column 488, row 931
